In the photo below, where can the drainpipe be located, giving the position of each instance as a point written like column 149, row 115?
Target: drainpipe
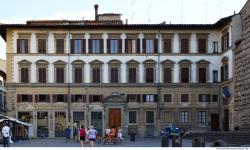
column 68, row 84
column 158, row 83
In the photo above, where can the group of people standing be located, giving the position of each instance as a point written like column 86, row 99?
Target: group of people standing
column 82, row 134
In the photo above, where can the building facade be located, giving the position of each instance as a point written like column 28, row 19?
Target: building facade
column 102, row 72
column 2, row 86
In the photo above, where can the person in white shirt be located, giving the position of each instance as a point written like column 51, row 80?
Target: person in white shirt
column 6, row 135
column 91, row 133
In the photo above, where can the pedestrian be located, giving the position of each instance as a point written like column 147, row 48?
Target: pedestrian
column 68, row 131
column 92, row 135
column 76, row 134
column 82, row 133
column 120, row 134
column 6, row 135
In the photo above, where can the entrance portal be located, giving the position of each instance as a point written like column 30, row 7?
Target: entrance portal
column 114, row 117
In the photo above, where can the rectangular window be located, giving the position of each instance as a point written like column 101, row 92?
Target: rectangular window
column 204, row 97
column 224, row 72
column 168, row 98
column 95, row 98
column 78, row 98
column 149, row 75
column 130, row 46
column 132, row 117
column 114, row 75
column 202, row 46
column 149, row 117
column 42, row 98
column 25, row 117
column 202, row 116
column 149, row 97
column 215, row 76
column 78, row 75
column 215, row 47
column 184, row 46
column 60, row 98
column 42, row 46
column 215, row 98
column 96, row 75
column 167, row 45
column 22, row 46
column 59, row 46
column 185, row 75
column 78, row 46
column 96, row 46
column 114, row 46
column 132, row 75
column 24, row 98
column 184, row 117
column 24, row 75
column 134, row 98
column 42, row 75
column 59, row 75
column 167, row 75
column 202, row 75
column 184, row 98
column 149, row 46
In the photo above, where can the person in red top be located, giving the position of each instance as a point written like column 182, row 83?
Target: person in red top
column 82, row 134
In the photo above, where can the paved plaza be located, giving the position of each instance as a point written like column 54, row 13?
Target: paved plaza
column 60, row 142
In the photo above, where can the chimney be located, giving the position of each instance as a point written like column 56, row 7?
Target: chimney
column 96, row 12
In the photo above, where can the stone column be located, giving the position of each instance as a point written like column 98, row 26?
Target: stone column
column 123, row 73
column 194, row 43
column 176, row 48
column 160, row 48
column 141, row 129
column 141, row 73
column 87, row 36
column 194, row 73
column 33, row 43
column 105, row 37
column 15, row 37
column 123, row 37
column 87, row 73
column 51, row 73
column 67, row 43
column 141, row 36
column 105, row 73
column 34, row 123
column 51, row 121
column 33, row 73
column 51, row 43
column 176, row 73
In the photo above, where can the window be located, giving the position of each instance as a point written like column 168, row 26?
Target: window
column 167, row 75
column 224, row 72
column 202, row 116
column 42, row 115
column 42, row 46
column 78, row 116
column 78, row 98
column 114, row 75
column 167, row 45
column 167, row 97
column 215, row 76
column 132, row 75
column 42, row 98
column 78, row 46
column 225, row 41
column 42, row 75
column 184, row 97
column 22, row 46
column 96, row 46
column 215, row 98
column 25, row 117
column 114, row 46
column 59, row 75
column 24, row 98
column 59, row 46
column 184, row 46
column 149, row 97
column 204, row 97
column 202, row 46
column 150, row 46
column 60, row 98
column 149, row 117
column 78, row 75
column 134, row 98
column 215, row 47
column 132, row 117
column 131, row 46
column 24, row 75
column 95, row 98
column 202, row 75
column 96, row 75
column 184, row 75
column 184, row 117
column 149, row 75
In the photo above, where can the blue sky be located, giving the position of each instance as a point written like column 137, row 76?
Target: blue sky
column 136, row 11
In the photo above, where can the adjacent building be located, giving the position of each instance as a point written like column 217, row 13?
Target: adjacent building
column 2, row 85
column 105, row 73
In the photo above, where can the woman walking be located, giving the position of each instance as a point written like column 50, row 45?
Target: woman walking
column 91, row 135
column 82, row 134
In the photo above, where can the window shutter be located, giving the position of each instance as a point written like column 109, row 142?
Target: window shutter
column 208, row 98
column 156, row 46
column 65, row 98
column 138, row 46
column 184, row 45
column 155, row 97
column 202, row 45
column 84, row 98
column 222, row 43
column 72, row 46
column 167, row 46
column 83, row 46
column 138, row 98
column 54, row 98
column 36, row 98
column 73, row 98
column 18, row 98
column 48, row 98
column 227, row 40
column 90, row 46
column 120, row 46
column 185, row 74
column 144, row 97
column 101, row 46
column 126, row 46
column 26, row 46
column 108, row 46
column 90, row 98
column 144, row 45
column 42, row 46
column 101, row 98
column 30, row 97
column 222, row 73
column 98, row 75
column 18, row 46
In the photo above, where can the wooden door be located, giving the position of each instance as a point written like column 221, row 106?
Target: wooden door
column 215, row 122
column 114, row 117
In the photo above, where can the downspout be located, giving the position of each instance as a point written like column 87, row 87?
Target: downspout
column 158, row 82
column 68, row 84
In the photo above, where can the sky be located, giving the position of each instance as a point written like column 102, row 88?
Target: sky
column 136, row 11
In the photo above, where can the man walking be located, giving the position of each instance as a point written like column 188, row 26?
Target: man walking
column 6, row 135
column 68, row 131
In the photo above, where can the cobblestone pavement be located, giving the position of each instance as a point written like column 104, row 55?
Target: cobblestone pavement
column 60, row 142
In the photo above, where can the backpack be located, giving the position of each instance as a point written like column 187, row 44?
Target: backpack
column 82, row 132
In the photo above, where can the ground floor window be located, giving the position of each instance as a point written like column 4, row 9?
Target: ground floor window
column 96, row 121
column 25, row 116
column 168, row 117
column 78, row 119
column 150, row 117
column 202, row 116
column 60, row 124
column 184, row 117
column 132, row 117
column 42, row 124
